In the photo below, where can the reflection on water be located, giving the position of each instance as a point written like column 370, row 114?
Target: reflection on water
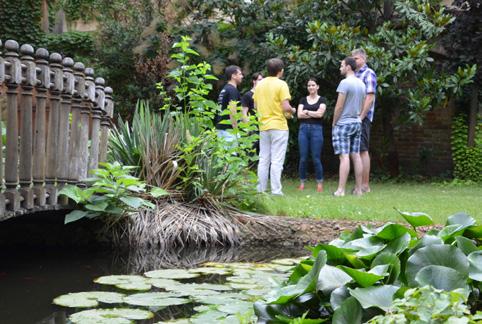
column 29, row 280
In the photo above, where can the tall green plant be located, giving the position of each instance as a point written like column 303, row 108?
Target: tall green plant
column 467, row 160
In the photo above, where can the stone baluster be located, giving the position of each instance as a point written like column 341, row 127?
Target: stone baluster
column 43, row 85
column 105, row 124
column 29, row 80
column 77, row 126
column 2, row 80
column 14, row 69
column 96, row 117
column 64, row 125
column 53, row 127
column 87, row 105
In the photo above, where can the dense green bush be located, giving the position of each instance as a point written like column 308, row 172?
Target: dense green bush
column 358, row 275
column 78, row 45
column 467, row 160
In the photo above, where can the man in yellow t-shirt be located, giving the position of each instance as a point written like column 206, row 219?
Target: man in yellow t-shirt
column 271, row 98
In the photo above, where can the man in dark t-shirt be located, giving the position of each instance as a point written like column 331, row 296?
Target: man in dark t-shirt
column 228, row 99
column 247, row 102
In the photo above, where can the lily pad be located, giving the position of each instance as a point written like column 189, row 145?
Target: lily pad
column 88, row 299
column 287, row 262
column 211, row 270
column 441, row 277
column 211, row 317
column 331, row 278
column 364, row 279
column 380, row 296
column 243, row 286
column 475, row 269
column 238, row 307
column 112, row 315
column 128, row 282
column 155, row 299
column 171, row 274
column 164, row 283
column 215, row 300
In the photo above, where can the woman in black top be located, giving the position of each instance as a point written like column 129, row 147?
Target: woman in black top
column 310, row 135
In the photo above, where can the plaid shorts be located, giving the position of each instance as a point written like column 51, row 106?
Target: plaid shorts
column 346, row 138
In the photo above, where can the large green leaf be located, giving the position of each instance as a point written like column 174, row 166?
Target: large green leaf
column 466, row 245
column 111, row 316
column 128, row 282
column 88, row 299
column 379, row 296
column 443, row 255
column 73, row 192
column 460, row 219
column 335, row 255
column 441, row 277
column 338, row 296
column 389, row 259
column 398, row 245
column 350, row 312
column 304, row 285
column 155, row 299
column 427, row 240
column 75, row 216
column 132, row 202
column 416, row 219
column 363, row 278
column 475, row 269
column 392, row 231
column 171, row 274
column 331, row 278
column 366, row 247
column 474, row 232
column 157, row 192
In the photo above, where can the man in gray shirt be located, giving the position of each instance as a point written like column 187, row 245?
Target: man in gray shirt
column 347, row 125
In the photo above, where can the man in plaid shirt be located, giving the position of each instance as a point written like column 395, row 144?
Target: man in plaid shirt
column 369, row 78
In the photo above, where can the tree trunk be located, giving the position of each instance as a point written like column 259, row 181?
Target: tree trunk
column 44, row 22
column 474, row 107
column 387, row 9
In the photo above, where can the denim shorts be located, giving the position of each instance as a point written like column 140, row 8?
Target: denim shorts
column 346, row 138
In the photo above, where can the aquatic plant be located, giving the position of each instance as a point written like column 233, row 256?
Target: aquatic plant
column 360, row 274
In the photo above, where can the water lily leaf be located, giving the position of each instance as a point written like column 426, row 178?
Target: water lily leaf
column 475, row 269
column 191, row 290
column 350, row 312
column 451, row 231
column 171, row 274
column 331, row 278
column 335, row 255
column 243, row 286
column 164, row 283
column 460, row 219
column 474, row 232
column 380, row 270
column 219, row 299
column 392, row 231
column 466, row 245
column 441, row 277
column 427, row 240
column 210, row 286
column 443, row 255
column 176, row 321
column 366, row 247
column 112, row 315
column 286, row 262
column 416, row 219
column 238, row 307
column 379, row 296
column 246, row 280
column 282, row 268
column 363, row 278
column 211, row 270
column 304, row 285
column 338, row 296
column 88, row 299
column 394, row 264
column 211, row 316
column 128, row 282
column 155, row 299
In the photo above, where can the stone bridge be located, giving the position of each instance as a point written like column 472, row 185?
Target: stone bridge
column 55, row 119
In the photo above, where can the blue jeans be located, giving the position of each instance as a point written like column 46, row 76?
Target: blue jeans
column 310, row 139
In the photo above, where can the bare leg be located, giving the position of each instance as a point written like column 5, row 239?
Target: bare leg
column 365, row 159
column 358, row 166
column 344, row 171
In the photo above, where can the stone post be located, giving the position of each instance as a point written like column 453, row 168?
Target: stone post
column 53, row 127
column 11, row 160
column 87, row 104
column 64, row 126
column 96, row 117
column 29, row 80
column 77, row 126
column 105, row 124
column 43, row 85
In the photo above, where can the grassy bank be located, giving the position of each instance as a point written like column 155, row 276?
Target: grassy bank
column 436, row 199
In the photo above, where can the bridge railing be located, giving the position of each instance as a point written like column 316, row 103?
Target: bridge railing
column 57, row 118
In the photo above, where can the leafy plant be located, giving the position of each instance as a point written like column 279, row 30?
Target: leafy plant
column 112, row 191
column 428, row 305
column 360, row 274
column 467, row 160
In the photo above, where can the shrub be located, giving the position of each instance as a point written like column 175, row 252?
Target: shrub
column 467, row 160
column 358, row 275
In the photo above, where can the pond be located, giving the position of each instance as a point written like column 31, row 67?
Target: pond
column 31, row 279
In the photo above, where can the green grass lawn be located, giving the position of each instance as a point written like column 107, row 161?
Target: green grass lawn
column 436, row 199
